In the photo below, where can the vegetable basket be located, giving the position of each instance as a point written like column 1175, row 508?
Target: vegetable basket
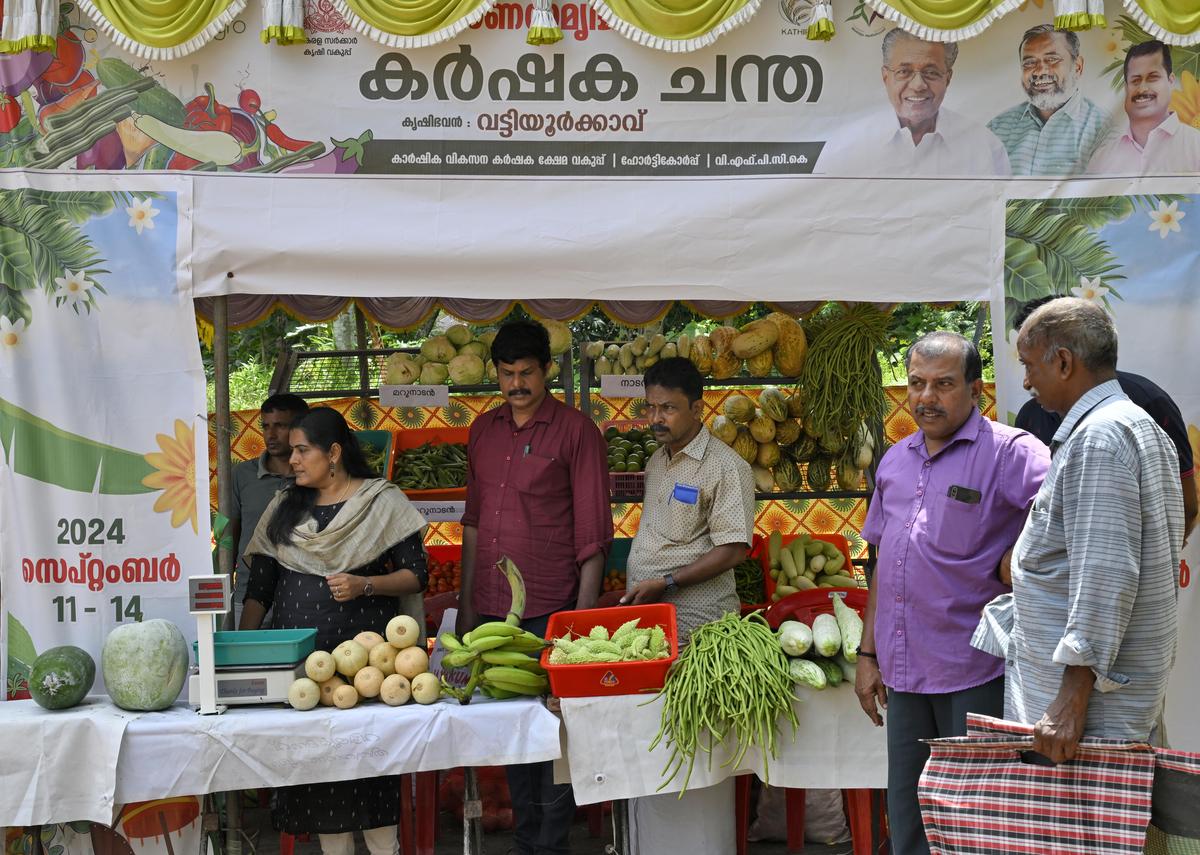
column 380, row 444
column 760, row 551
column 610, row 678
column 416, row 437
column 625, row 484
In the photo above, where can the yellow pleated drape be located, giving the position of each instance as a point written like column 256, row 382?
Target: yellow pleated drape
column 162, row 29
column 944, row 20
column 675, row 25
column 412, row 23
column 1176, row 22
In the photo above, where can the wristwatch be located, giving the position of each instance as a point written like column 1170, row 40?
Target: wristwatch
column 368, row 589
column 672, row 585
column 860, row 652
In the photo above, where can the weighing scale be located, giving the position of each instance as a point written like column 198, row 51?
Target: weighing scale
column 246, row 667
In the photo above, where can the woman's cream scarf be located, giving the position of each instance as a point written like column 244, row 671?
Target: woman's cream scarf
column 374, row 519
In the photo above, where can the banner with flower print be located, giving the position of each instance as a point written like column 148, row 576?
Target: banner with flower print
column 102, row 426
column 1138, row 257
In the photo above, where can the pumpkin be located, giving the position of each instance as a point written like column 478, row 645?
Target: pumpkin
column 144, row 664
column 791, row 347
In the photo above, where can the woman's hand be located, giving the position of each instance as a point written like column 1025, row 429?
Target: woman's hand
column 345, row 586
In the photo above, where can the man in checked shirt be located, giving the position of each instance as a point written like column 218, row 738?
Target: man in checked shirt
column 1094, row 570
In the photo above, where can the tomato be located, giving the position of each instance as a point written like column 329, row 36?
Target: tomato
column 68, row 60
column 10, row 112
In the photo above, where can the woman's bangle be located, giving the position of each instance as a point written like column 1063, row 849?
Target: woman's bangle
column 867, row 654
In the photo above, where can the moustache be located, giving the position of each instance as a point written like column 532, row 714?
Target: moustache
column 923, row 410
column 517, row 393
column 658, row 429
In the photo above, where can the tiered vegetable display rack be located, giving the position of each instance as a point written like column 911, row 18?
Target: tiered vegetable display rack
column 589, row 383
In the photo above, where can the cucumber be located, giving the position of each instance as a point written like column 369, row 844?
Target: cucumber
column 155, row 101
column 61, row 677
column 833, row 671
column 156, row 157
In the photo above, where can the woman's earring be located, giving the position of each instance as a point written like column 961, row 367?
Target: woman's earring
column 332, row 469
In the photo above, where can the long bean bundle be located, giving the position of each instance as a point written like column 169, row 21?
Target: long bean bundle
column 732, row 680
column 840, row 377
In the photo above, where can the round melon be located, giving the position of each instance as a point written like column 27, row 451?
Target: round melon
column 144, row 664
column 61, row 677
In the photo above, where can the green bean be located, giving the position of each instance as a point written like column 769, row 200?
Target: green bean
column 731, row 681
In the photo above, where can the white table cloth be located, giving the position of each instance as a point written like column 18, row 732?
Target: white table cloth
column 609, row 756
column 177, row 752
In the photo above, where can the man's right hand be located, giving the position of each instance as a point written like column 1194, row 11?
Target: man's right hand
column 868, row 685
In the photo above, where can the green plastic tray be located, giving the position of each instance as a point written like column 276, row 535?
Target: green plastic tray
column 380, row 440
column 262, row 646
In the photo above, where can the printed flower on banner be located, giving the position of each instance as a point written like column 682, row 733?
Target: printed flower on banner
column 1185, row 100
column 1166, row 218
column 175, row 475
column 141, row 214
column 1090, row 289
column 1112, row 45
column 10, row 334
column 74, row 286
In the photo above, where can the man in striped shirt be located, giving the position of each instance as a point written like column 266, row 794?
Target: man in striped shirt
column 1094, row 570
column 1056, row 130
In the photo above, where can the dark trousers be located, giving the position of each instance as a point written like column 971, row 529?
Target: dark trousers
column 542, row 810
column 912, row 717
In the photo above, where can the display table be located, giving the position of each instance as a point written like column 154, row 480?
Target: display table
column 609, row 757
column 177, row 752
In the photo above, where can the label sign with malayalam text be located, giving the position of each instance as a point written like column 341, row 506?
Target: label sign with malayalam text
column 622, row 386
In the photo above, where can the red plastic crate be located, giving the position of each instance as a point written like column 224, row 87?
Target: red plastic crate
column 626, row 483
column 442, row 554
column 836, row 539
column 415, row 437
column 804, row 606
column 610, row 678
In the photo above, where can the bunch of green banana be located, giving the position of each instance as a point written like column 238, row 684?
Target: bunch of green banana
column 504, row 661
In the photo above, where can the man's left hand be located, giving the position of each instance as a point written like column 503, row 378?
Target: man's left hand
column 1057, row 733
column 649, row 591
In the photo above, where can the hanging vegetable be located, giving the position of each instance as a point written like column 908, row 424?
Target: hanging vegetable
column 841, row 381
column 732, row 680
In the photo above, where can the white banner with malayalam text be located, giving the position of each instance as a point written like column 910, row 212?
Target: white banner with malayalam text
column 102, row 415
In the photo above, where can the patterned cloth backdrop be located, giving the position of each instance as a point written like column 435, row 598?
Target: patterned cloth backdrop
column 789, row 516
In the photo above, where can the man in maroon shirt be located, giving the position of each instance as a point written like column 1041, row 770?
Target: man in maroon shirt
column 537, row 492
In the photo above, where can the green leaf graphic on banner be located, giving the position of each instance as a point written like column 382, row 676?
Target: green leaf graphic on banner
column 37, row 449
column 16, row 264
column 1025, row 276
column 13, row 304
column 20, row 645
column 78, row 207
column 1093, row 212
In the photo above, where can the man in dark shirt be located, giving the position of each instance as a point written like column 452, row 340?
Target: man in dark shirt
column 537, row 493
column 1146, row 394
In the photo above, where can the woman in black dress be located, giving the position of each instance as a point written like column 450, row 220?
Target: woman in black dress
column 341, row 551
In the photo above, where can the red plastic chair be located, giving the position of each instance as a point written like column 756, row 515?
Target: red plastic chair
column 858, row 810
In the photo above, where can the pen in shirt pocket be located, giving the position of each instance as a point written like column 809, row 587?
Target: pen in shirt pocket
column 526, row 453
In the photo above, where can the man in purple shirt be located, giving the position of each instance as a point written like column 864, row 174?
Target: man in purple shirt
column 949, row 504
column 537, row 492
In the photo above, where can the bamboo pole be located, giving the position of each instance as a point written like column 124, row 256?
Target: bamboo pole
column 225, row 554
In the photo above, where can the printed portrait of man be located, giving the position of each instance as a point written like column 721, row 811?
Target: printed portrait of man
column 916, row 134
column 1055, row 130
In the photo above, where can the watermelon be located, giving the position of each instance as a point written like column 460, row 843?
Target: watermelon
column 61, row 677
column 144, row 664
